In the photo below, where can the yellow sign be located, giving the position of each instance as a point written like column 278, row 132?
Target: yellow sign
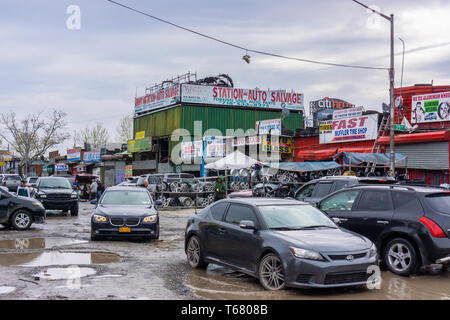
column 279, row 145
column 2, row 163
column 140, row 135
column 131, row 146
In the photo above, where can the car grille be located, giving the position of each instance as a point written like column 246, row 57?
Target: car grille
column 132, row 221
column 347, row 277
column 58, row 196
column 344, row 256
column 118, row 222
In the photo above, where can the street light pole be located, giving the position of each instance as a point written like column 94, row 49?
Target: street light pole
column 391, row 88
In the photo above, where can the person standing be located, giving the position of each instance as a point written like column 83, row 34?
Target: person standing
column 220, row 189
column 93, row 191
column 23, row 190
column 100, row 189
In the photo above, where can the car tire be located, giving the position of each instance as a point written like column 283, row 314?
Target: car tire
column 156, row 237
column 400, row 257
column 21, row 220
column 271, row 272
column 74, row 210
column 194, row 253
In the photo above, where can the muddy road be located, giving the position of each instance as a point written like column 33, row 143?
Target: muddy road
column 57, row 260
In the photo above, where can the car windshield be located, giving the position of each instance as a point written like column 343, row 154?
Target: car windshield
column 294, row 217
column 55, row 184
column 440, row 202
column 126, row 198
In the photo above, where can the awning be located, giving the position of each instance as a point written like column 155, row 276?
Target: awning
column 235, row 160
column 376, row 158
column 304, row 166
column 316, row 155
column 417, row 137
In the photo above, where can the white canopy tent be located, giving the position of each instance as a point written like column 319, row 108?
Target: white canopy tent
column 235, row 160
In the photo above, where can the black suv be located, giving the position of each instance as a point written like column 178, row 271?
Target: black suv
column 315, row 190
column 409, row 225
column 56, row 193
column 19, row 212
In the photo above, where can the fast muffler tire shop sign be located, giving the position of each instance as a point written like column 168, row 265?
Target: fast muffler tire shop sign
column 349, row 129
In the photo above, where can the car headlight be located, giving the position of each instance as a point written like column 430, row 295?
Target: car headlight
column 74, row 196
column 306, row 254
column 38, row 204
column 149, row 219
column 373, row 250
column 98, row 218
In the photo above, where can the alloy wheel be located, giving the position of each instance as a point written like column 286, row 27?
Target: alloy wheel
column 193, row 252
column 271, row 273
column 22, row 220
column 399, row 257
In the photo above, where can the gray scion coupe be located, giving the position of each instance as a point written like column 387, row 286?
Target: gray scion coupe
column 281, row 242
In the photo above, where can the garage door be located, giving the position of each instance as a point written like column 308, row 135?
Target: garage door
column 430, row 156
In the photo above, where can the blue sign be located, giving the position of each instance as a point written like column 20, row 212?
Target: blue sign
column 91, row 156
column 61, row 167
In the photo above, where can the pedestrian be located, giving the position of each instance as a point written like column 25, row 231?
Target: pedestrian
column 23, row 190
column 100, row 189
column 220, row 189
column 93, row 191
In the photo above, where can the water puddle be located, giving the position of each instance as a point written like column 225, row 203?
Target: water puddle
column 56, row 258
column 65, row 273
column 6, row 290
column 38, row 243
column 222, row 283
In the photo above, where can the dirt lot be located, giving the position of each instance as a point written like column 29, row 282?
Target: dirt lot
column 57, row 260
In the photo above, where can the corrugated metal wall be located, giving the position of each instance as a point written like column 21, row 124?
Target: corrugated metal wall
column 160, row 123
column 429, row 156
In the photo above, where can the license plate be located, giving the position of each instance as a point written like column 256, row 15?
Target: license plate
column 124, row 229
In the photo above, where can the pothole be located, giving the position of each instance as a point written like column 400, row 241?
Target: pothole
column 38, row 243
column 65, row 273
column 56, row 258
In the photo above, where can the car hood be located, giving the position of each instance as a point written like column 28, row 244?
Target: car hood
column 325, row 240
column 134, row 211
column 56, row 191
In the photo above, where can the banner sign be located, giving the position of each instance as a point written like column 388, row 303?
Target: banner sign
column 215, row 147
column 191, row 149
column 430, row 108
column 61, row 167
column 328, row 103
column 7, row 156
column 159, row 99
column 140, row 135
column 276, row 144
column 74, row 154
column 272, row 126
column 347, row 113
column 349, row 129
column 2, row 163
column 246, row 141
column 91, row 156
column 255, row 98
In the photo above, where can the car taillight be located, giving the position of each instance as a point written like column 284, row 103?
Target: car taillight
column 4, row 183
column 435, row 230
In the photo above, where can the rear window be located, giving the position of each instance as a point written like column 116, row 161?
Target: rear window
column 322, row 190
column 439, row 202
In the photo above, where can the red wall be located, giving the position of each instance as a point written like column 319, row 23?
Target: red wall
column 407, row 94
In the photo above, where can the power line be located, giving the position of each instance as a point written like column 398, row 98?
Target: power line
column 243, row 48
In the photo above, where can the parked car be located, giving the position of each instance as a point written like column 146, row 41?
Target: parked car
column 284, row 243
column 19, row 212
column 316, row 190
column 11, row 181
column 125, row 212
column 31, row 182
column 409, row 225
column 56, row 193
column 129, row 182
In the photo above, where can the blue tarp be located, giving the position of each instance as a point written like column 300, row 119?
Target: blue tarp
column 358, row 158
column 304, row 166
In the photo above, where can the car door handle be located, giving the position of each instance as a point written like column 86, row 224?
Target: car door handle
column 343, row 219
column 382, row 221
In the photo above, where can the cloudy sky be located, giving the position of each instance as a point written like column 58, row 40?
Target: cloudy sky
column 93, row 73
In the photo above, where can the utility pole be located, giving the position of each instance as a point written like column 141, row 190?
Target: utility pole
column 391, row 88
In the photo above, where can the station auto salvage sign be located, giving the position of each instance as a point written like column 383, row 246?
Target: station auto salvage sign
column 349, row 129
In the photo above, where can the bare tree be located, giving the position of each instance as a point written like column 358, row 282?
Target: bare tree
column 33, row 136
column 96, row 136
column 124, row 130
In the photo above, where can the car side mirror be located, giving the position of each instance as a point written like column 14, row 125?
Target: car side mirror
column 247, row 224
column 158, row 203
column 94, row 201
